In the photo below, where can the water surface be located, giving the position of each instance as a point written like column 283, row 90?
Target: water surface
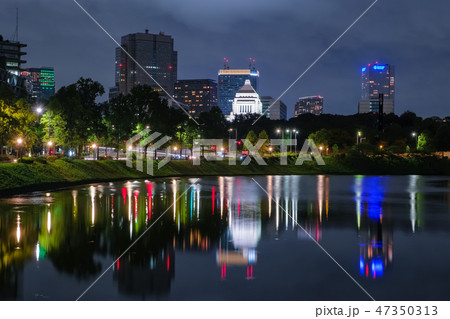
column 230, row 238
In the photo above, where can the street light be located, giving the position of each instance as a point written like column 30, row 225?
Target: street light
column 19, row 150
column 290, row 138
column 49, row 144
column 416, row 138
column 358, row 136
column 295, row 137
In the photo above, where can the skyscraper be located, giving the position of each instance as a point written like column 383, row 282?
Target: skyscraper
column 377, row 79
column 309, row 104
column 11, row 55
column 40, row 82
column 278, row 111
column 199, row 95
column 230, row 81
column 155, row 53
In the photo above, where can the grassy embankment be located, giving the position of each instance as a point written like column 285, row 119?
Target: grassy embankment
column 52, row 173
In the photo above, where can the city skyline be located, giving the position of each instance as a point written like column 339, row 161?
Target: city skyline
column 201, row 50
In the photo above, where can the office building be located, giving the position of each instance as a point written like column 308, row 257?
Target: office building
column 377, row 79
column 11, row 56
column 309, row 104
column 155, row 53
column 229, row 83
column 278, row 111
column 246, row 101
column 197, row 95
column 40, row 82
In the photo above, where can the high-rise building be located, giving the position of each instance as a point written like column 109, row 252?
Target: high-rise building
column 309, row 104
column 377, row 79
column 230, row 81
column 11, row 55
column 246, row 101
column 40, row 82
column 278, row 111
column 199, row 95
column 155, row 53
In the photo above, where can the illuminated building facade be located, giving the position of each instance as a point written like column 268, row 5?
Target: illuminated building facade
column 309, row 104
column 155, row 53
column 230, row 81
column 246, row 101
column 199, row 95
column 11, row 56
column 278, row 111
column 40, row 82
column 377, row 79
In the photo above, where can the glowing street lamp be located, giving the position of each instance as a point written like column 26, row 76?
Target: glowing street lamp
column 50, row 143
column 358, row 137
column 19, row 150
column 175, row 148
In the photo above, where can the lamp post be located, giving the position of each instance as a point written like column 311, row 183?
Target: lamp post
column 282, row 135
column 49, row 144
column 295, row 137
column 358, row 137
column 95, row 155
column 290, row 137
column 19, row 148
column 39, row 110
column 416, row 138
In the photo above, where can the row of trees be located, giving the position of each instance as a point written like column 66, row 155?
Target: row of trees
column 73, row 119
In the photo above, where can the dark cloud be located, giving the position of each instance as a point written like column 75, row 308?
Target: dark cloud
column 283, row 36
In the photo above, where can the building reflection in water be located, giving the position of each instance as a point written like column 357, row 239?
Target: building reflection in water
column 74, row 229
column 374, row 226
column 238, row 249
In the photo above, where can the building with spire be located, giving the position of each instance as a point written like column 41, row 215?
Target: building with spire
column 246, row 101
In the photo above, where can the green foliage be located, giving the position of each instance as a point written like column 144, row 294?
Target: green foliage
column 54, row 128
column 252, row 138
column 335, row 148
column 265, row 147
column 422, row 142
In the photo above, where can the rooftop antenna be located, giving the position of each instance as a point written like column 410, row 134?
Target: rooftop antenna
column 252, row 64
column 226, row 66
column 16, row 35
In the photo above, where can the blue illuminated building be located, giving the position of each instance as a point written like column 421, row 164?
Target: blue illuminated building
column 229, row 82
column 377, row 79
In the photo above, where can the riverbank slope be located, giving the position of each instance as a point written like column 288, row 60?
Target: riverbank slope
column 43, row 173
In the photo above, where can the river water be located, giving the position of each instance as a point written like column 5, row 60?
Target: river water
column 230, row 238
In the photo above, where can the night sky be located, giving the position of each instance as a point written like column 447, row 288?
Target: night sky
column 283, row 36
